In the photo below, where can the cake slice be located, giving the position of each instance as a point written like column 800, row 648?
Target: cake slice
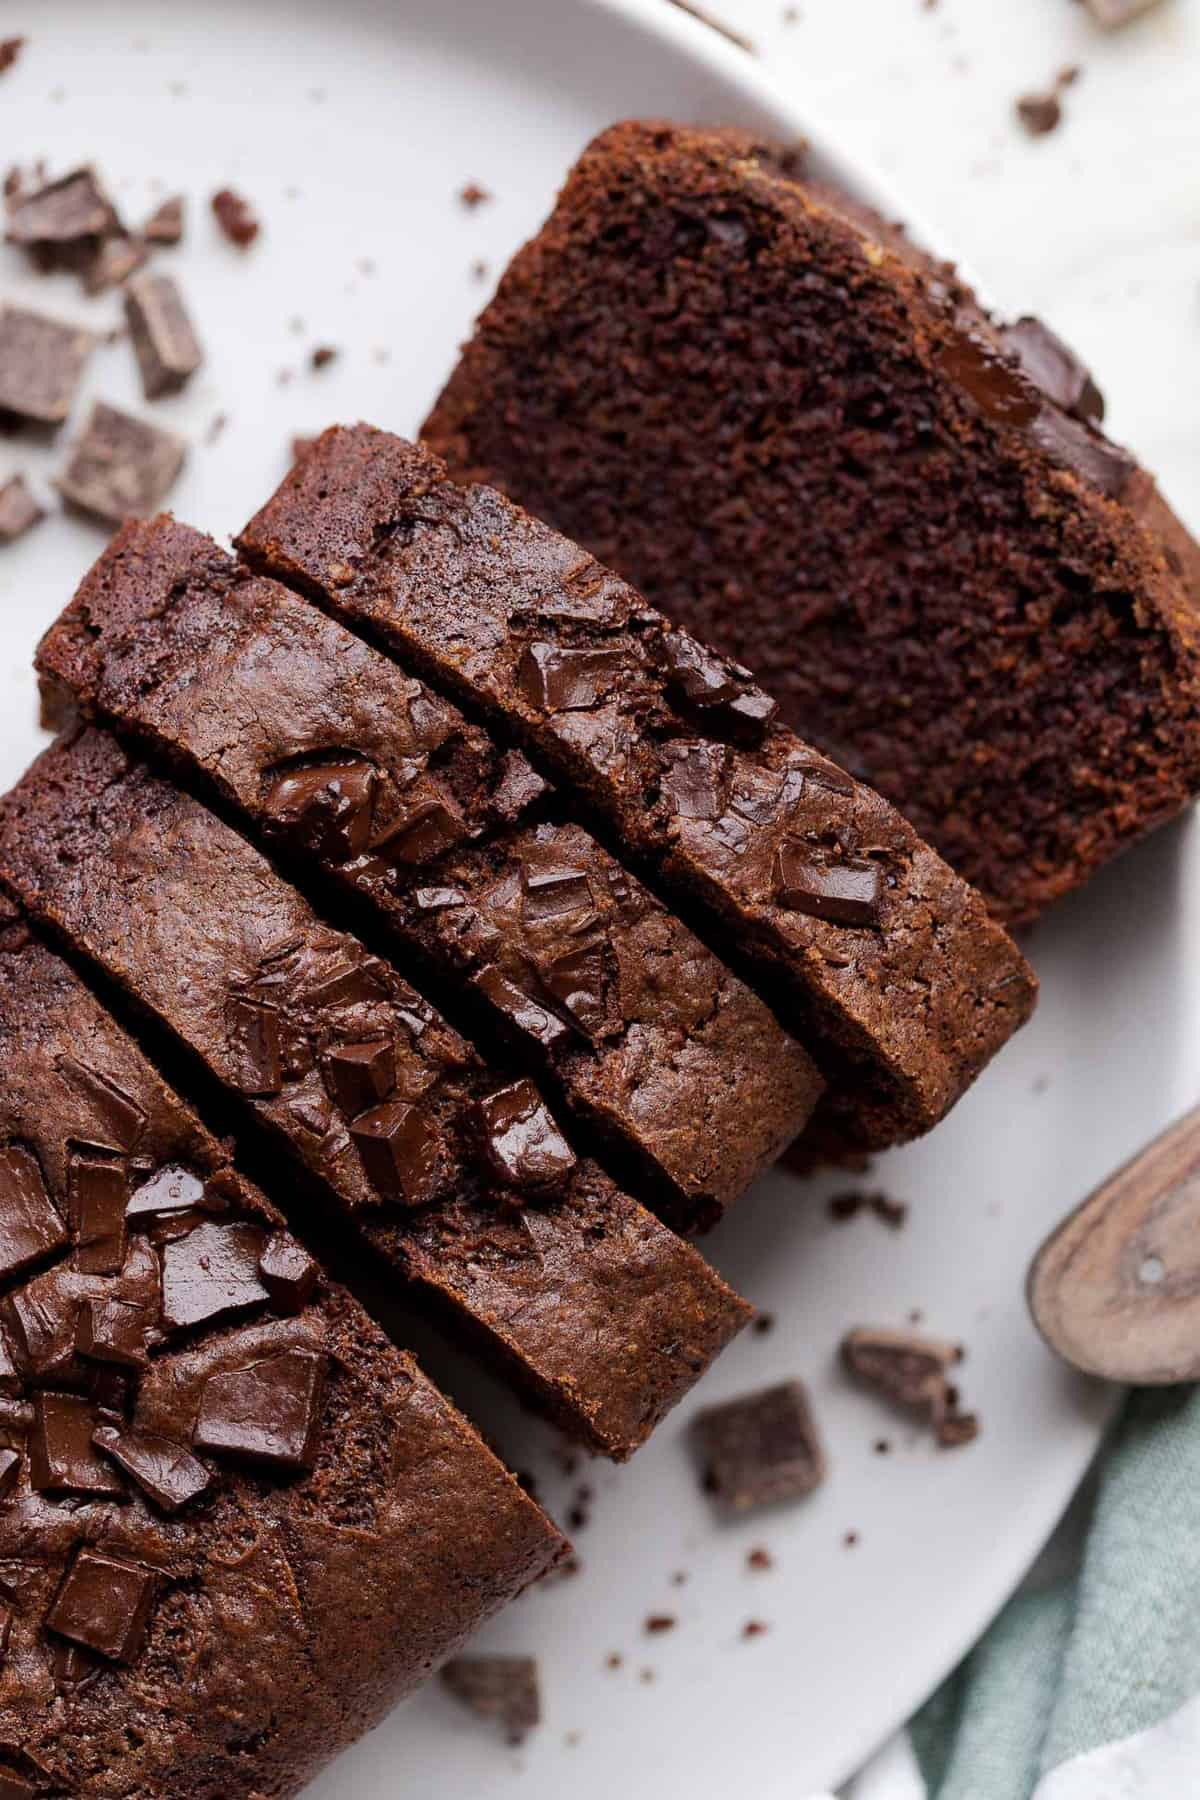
column 885, row 961
column 807, row 442
column 460, row 1179
column 365, row 775
column 214, row 1469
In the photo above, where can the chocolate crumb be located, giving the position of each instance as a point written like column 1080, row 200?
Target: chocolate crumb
column 754, row 1628
column 10, row 50
column 679, row 1578
column 660, row 1622
column 19, row 511
column 883, row 1446
column 236, row 217
column 759, row 1558
column 892, row 1212
column 763, row 1323
column 479, row 270
column 957, row 1428
column 572, row 1738
column 322, row 356
column 845, row 1206
column 500, row 1688
column 473, row 195
column 165, row 224
column 614, row 1660
column 646, row 1675
column 1039, row 113
column 849, row 1539
column 216, row 426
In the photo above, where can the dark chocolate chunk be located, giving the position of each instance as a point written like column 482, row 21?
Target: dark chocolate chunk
column 554, row 892
column 845, row 893
column 1000, row 391
column 1095, row 459
column 760, row 1448
column 19, row 511
column 61, row 1457
column 359, row 1076
column 121, row 466
column 41, row 364
column 165, row 224
column 30, row 1227
column 74, row 1669
column 321, row 356
column 236, row 217
column 98, row 1196
column 557, row 680
column 500, row 1688
column 211, row 1272
column 10, row 50
column 121, row 1116
column 164, row 1470
column 104, row 1604
column 350, row 984
column 252, row 1035
column 328, row 806
column 62, row 215
column 912, row 1371
column 268, row 1412
column 427, row 824
column 112, row 1330
column 10, row 1468
column 574, row 980
column 116, row 258
column 171, row 1189
column 520, row 1007
column 1054, row 367
column 712, row 685
column 164, row 341
column 1040, row 113
column 288, row 1273
column 522, row 1141
column 401, row 1148
column 694, row 779
column 41, row 1321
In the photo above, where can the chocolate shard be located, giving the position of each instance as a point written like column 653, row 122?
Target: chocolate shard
column 171, row 1189
column 525, row 1012
column 104, row 1605
column 112, row 1330
column 288, row 1273
column 75, row 1669
column 30, row 1227
column 165, row 224
column 252, row 1036
column 327, row 806
column 268, row 1412
column 61, row 1457
column 210, row 1273
column 1054, row 367
column 575, row 982
column 121, row 1117
column 521, row 1140
column 236, row 217
column 694, row 779
column 554, row 892
column 359, row 1076
column 910, row 1370
column 19, row 511
column 62, row 215
column 167, row 1472
column 969, row 357
column 121, row 467
column 41, row 365
column 427, row 822
column 503, row 1689
column 10, row 1469
column 402, row 1151
column 41, row 1320
column 760, row 1448
column 98, row 1196
column 722, row 691
column 844, row 893
column 164, row 341
column 519, row 788
column 115, row 259
column 557, row 680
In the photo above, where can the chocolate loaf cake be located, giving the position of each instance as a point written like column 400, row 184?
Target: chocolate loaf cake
column 886, row 961
column 461, row 1181
column 366, row 775
column 214, row 1469
column 808, row 442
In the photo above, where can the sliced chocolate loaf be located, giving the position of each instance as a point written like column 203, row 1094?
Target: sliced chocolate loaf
column 808, row 443
column 885, row 960
column 215, row 1472
column 462, row 1181
column 366, row 775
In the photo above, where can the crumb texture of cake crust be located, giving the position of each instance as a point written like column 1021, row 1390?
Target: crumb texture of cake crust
column 366, row 775
column 806, row 441
column 213, row 1465
column 459, row 1178
column 889, row 962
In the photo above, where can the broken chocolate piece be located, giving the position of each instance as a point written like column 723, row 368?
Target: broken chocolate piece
column 288, row 1273
column 428, row 824
column 694, row 779
column 61, row 1457
column 574, row 980
column 30, row 1227
column 98, row 1196
column 164, row 342
column 104, row 1604
column 10, row 50
column 554, row 892
column 115, row 260
column 211, row 1272
column 329, row 806
column 500, row 1688
column 558, row 680
column 121, row 466
column 19, row 511
column 41, row 1319
column 268, row 1412
column 722, row 691
column 171, row 1189
column 164, row 1470
column 121, row 1116
column 112, row 1330
column 520, row 1007
column 1054, row 367
column 252, row 1032
column 843, row 893
column 236, row 217
column 909, row 1370
column 165, row 224
column 359, row 1076
column 10, row 1468
column 68, row 215
column 760, row 1448
column 401, row 1148
column 1040, row 113
column 521, row 1140
column 41, row 365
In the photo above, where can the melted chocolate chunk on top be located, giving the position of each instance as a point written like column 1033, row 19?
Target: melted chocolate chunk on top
column 212, row 1273
column 268, row 1412
column 761, row 1448
column 104, row 1605
column 521, row 1140
column 30, row 1227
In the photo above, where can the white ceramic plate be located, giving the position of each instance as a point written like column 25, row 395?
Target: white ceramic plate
column 353, row 128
